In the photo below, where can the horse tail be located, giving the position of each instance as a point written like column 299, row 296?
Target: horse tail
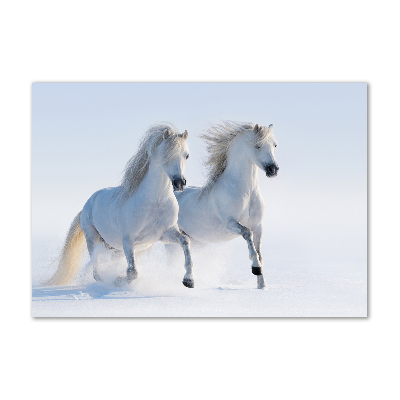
column 71, row 255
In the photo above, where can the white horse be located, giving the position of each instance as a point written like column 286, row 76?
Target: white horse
column 135, row 215
column 230, row 204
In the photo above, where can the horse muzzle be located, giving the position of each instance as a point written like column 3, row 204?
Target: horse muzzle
column 178, row 184
column 271, row 170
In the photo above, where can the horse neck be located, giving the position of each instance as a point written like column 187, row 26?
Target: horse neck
column 156, row 181
column 240, row 168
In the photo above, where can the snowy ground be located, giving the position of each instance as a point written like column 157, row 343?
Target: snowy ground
column 224, row 287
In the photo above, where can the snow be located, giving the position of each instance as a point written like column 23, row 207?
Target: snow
column 224, row 287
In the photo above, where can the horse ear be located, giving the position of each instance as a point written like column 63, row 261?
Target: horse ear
column 257, row 128
column 166, row 133
column 185, row 134
column 271, row 127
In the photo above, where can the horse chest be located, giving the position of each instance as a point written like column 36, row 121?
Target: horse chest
column 243, row 215
column 161, row 216
column 238, row 207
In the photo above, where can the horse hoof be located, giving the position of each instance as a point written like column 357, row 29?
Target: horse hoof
column 119, row 281
column 188, row 283
column 256, row 270
column 96, row 277
column 131, row 275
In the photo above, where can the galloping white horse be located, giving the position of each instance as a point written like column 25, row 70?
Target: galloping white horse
column 135, row 215
column 230, row 204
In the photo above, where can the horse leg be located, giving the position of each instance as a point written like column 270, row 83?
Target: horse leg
column 173, row 235
column 247, row 234
column 93, row 239
column 257, row 235
column 131, row 272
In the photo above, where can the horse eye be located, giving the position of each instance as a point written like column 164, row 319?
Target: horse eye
column 276, row 145
column 258, row 147
column 187, row 156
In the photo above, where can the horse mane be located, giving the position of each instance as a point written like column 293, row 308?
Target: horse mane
column 137, row 167
column 218, row 138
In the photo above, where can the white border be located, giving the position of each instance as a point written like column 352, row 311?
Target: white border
column 208, row 41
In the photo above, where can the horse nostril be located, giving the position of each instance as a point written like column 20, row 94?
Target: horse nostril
column 175, row 182
column 184, row 182
column 271, row 170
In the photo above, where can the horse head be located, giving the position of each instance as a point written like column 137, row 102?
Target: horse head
column 173, row 153
column 263, row 149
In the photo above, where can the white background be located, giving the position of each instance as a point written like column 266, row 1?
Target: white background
column 211, row 41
